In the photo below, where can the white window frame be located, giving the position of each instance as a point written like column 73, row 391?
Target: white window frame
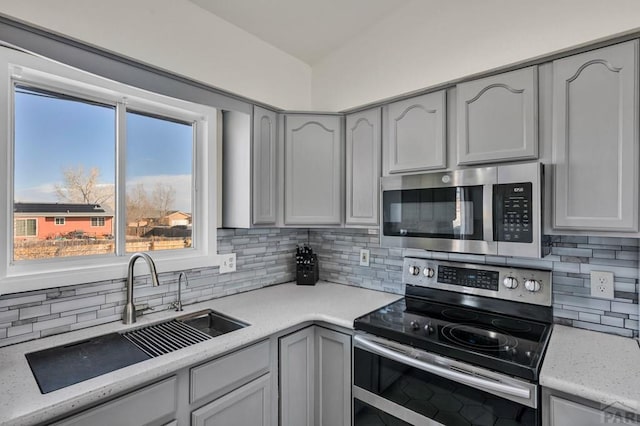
column 25, row 219
column 28, row 275
column 97, row 219
column 62, row 221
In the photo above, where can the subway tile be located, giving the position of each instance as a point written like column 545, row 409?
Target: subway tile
column 583, row 316
column 35, row 311
column 77, row 303
column 9, row 316
column 624, row 308
column 612, row 321
column 22, row 300
column 603, row 328
column 20, row 329
column 39, row 326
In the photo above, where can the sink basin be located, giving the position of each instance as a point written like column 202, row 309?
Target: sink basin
column 62, row 366
column 212, row 323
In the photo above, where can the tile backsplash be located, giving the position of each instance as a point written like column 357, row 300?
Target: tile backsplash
column 265, row 257
column 571, row 259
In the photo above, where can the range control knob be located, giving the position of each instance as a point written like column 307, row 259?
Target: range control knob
column 414, row 270
column 532, row 285
column 428, row 329
column 510, row 282
column 428, row 272
column 415, row 325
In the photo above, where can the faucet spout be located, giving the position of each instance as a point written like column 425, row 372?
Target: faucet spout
column 129, row 312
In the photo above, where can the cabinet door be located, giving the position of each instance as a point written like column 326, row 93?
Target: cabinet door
column 153, row 405
column 498, row 117
column 297, row 378
column 595, row 139
column 363, row 167
column 264, row 166
column 333, row 368
column 569, row 413
column 313, row 170
column 246, row 406
column 416, row 134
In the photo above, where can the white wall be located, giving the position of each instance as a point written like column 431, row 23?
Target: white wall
column 180, row 37
column 407, row 51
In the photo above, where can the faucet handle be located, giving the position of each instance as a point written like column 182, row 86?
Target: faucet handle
column 142, row 307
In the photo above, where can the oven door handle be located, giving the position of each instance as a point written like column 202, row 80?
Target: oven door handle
column 447, row 373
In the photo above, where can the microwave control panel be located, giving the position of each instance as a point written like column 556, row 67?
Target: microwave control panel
column 512, row 212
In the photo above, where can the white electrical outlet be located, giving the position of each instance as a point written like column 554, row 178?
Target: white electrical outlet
column 228, row 263
column 602, row 284
column 364, row 257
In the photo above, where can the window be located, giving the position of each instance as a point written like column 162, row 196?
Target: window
column 26, row 228
column 130, row 170
column 97, row 221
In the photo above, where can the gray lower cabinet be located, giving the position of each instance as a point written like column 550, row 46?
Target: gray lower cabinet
column 363, row 140
column 155, row 404
column 560, row 409
column 595, row 139
column 315, row 378
column 313, row 147
column 264, row 166
column 249, row 405
column 415, row 135
column 498, row 118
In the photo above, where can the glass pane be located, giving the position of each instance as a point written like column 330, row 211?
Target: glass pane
column 159, row 181
column 64, row 165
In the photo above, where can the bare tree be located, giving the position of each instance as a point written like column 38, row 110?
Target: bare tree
column 162, row 198
column 139, row 208
column 80, row 186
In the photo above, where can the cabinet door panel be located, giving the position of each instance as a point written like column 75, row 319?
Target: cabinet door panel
column 297, row 378
column 595, row 136
column 264, row 166
column 416, row 134
column 497, row 118
column 333, row 364
column 249, row 405
column 569, row 413
column 363, row 167
column 313, row 170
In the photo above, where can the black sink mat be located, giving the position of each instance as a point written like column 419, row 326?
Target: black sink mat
column 63, row 366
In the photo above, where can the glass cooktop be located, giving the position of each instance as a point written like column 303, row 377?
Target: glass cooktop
column 498, row 342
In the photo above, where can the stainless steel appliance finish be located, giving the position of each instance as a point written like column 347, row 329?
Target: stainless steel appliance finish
column 129, row 312
column 488, row 210
column 464, row 347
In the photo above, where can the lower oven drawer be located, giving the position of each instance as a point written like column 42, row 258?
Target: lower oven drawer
column 397, row 391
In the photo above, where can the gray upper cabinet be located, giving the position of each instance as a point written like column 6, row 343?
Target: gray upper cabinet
column 415, row 136
column 264, row 166
column 595, row 139
column 313, row 170
column 498, row 118
column 363, row 139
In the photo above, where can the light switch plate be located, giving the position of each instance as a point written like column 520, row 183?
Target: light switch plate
column 228, row 263
column 364, row 257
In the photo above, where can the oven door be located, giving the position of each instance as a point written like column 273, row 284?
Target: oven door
column 449, row 211
column 397, row 385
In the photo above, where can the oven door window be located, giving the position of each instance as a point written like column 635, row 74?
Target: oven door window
column 451, row 213
column 443, row 400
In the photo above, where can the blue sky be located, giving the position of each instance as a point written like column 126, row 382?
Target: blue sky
column 53, row 134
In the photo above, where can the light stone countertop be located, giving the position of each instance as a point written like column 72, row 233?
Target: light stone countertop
column 596, row 366
column 269, row 310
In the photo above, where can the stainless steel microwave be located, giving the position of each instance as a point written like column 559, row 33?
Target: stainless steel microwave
column 485, row 210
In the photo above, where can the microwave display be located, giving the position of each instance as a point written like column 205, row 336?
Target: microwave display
column 512, row 212
column 451, row 213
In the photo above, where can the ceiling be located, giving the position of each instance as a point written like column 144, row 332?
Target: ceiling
column 306, row 29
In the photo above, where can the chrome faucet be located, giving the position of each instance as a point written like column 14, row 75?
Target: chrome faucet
column 129, row 313
column 178, row 303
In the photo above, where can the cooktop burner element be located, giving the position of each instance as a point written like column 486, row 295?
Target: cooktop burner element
column 505, row 330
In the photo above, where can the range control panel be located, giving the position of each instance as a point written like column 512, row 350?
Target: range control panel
column 501, row 282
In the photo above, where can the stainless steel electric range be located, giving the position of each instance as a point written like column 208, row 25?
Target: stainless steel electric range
column 464, row 347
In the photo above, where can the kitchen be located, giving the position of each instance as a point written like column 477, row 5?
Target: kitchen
column 265, row 252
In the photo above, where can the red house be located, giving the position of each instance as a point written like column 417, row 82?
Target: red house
column 45, row 221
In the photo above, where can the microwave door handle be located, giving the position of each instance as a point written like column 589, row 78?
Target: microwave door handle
column 487, row 212
column 446, row 373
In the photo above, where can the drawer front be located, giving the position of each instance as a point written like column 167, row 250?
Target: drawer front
column 152, row 405
column 569, row 413
column 229, row 372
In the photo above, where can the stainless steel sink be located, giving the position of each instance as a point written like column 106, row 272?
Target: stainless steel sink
column 62, row 366
column 212, row 323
